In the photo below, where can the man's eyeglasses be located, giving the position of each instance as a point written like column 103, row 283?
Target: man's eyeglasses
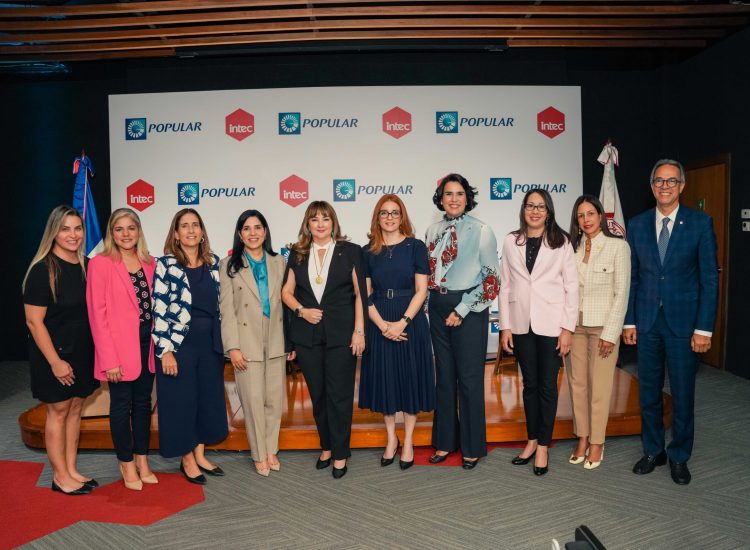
column 670, row 182
column 395, row 214
column 538, row 207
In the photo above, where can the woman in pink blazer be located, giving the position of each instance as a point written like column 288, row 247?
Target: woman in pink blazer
column 538, row 310
column 119, row 306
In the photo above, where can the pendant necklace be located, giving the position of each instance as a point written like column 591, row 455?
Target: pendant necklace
column 319, row 279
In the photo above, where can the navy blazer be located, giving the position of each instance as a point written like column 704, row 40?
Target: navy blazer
column 687, row 285
column 338, row 298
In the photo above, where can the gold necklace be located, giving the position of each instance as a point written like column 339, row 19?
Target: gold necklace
column 319, row 279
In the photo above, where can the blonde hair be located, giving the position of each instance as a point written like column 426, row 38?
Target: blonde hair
column 304, row 237
column 173, row 247
column 44, row 252
column 111, row 249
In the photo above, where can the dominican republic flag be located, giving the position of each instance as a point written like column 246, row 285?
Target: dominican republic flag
column 84, row 203
column 608, row 195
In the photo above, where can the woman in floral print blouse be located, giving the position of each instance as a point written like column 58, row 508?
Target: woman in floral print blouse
column 463, row 282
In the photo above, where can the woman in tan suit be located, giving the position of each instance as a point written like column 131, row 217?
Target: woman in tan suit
column 603, row 262
column 253, row 334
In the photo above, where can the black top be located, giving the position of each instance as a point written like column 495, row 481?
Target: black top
column 71, row 292
column 142, row 295
column 532, row 251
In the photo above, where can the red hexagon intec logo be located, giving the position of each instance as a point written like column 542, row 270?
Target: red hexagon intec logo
column 240, row 124
column 293, row 191
column 550, row 122
column 397, row 122
column 140, row 195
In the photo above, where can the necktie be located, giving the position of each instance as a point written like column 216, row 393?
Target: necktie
column 663, row 239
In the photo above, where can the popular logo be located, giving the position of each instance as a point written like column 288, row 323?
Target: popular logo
column 446, row 122
column 140, row 195
column 289, row 124
column 344, row 191
column 397, row 122
column 501, row 189
column 284, row 251
column 550, row 122
column 188, row 193
column 135, row 128
column 293, row 191
column 550, row 187
column 240, row 124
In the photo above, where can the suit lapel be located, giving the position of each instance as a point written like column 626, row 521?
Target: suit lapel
column 122, row 272
column 335, row 259
column 522, row 252
column 249, row 279
column 652, row 238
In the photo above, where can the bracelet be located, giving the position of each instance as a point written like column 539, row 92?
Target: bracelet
column 298, row 311
column 406, row 319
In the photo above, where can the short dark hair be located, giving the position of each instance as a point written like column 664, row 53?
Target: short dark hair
column 471, row 192
column 668, row 162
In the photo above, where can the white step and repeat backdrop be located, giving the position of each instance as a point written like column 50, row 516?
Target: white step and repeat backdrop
column 274, row 150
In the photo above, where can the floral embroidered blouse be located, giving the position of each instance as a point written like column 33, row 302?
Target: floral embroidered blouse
column 463, row 256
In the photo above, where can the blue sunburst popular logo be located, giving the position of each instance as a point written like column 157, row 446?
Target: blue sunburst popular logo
column 135, row 128
column 188, row 194
column 344, row 191
column 501, row 189
column 446, row 122
column 289, row 124
column 284, row 251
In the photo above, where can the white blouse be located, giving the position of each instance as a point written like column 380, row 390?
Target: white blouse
column 316, row 268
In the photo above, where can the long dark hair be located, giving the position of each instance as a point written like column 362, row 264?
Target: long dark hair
column 471, row 192
column 554, row 235
column 576, row 234
column 238, row 247
column 172, row 245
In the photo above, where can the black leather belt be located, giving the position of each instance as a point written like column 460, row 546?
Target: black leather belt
column 392, row 293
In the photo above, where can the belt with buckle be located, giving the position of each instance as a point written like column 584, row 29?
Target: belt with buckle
column 392, row 293
column 443, row 290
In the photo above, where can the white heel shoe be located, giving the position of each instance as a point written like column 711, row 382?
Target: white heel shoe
column 588, row 465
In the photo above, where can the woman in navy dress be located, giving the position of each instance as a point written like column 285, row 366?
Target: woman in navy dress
column 187, row 333
column 397, row 373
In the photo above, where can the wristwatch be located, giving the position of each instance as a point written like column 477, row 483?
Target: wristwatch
column 406, row 319
column 298, row 311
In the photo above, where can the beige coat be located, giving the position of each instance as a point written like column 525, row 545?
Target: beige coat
column 605, row 290
column 242, row 311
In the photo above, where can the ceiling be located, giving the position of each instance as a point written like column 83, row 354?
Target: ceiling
column 90, row 30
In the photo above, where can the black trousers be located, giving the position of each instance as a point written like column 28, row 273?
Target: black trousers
column 329, row 373
column 130, row 407
column 460, row 354
column 540, row 365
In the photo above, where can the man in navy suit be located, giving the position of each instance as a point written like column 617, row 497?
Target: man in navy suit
column 671, row 312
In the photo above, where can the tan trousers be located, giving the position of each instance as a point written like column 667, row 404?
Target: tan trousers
column 261, row 391
column 590, row 378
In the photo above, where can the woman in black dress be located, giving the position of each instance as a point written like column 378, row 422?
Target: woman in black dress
column 61, row 351
column 398, row 373
column 325, row 289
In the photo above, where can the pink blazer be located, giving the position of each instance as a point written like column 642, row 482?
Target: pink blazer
column 113, row 316
column 545, row 299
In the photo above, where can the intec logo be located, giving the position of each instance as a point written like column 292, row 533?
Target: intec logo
column 135, row 128
column 446, row 122
column 289, row 124
column 188, row 193
column 397, row 122
column 501, row 189
column 550, row 122
column 240, row 124
column 140, row 195
column 344, row 191
column 293, row 191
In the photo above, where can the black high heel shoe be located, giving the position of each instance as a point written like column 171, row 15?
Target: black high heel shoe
column 541, row 470
column 322, row 464
column 388, row 461
column 338, row 473
column 518, row 461
column 437, row 459
column 82, row 490
column 469, row 464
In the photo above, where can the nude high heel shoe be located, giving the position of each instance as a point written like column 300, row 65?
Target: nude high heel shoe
column 132, row 485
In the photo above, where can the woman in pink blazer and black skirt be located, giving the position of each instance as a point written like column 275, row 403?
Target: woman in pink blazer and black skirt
column 119, row 306
column 538, row 310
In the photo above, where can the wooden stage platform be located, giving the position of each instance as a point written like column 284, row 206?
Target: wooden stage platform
column 503, row 402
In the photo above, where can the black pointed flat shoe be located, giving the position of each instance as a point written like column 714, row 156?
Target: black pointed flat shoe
column 437, row 459
column 200, row 479
column 82, row 490
column 216, row 471
column 469, row 464
column 322, row 464
column 91, row 483
column 519, row 461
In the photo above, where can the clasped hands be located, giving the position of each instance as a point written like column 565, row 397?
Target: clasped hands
column 395, row 331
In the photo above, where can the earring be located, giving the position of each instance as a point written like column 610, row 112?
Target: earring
column 203, row 239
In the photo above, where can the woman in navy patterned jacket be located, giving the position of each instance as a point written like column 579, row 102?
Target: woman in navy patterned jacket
column 189, row 351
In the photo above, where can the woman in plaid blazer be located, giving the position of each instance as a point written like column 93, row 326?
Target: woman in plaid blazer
column 603, row 262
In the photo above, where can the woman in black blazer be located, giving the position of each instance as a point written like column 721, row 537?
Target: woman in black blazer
column 323, row 289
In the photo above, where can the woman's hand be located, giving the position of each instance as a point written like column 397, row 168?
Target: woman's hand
column 506, row 339
column 453, row 320
column 169, row 364
column 312, row 315
column 358, row 344
column 605, row 348
column 114, row 375
column 237, row 358
column 63, row 372
column 396, row 331
column 563, row 342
